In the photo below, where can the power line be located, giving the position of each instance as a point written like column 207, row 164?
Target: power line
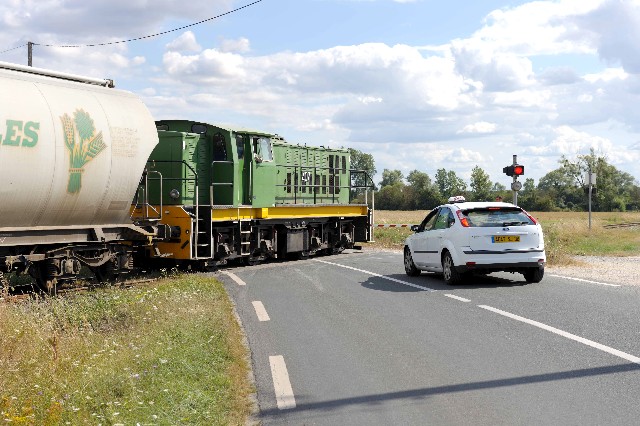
column 138, row 38
column 13, row 48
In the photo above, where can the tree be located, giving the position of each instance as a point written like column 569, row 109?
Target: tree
column 421, row 193
column 391, row 197
column 566, row 184
column 391, row 177
column 363, row 169
column 449, row 184
column 480, row 185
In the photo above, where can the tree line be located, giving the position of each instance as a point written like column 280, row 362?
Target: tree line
column 562, row 189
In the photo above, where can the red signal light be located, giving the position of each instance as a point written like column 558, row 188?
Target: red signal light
column 518, row 170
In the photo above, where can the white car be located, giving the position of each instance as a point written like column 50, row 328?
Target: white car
column 461, row 238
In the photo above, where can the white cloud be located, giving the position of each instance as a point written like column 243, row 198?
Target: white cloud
column 479, row 127
column 571, row 142
column 240, row 45
column 185, row 43
column 607, row 75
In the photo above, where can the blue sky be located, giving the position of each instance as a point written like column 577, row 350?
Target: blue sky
column 419, row 84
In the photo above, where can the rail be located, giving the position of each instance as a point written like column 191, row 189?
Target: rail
column 621, row 225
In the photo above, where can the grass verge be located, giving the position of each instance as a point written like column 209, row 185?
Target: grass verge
column 169, row 353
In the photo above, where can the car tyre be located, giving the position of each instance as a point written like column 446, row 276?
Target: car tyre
column 409, row 267
column 449, row 273
column 533, row 275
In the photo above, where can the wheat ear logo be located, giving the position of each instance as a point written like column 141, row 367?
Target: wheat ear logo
column 83, row 144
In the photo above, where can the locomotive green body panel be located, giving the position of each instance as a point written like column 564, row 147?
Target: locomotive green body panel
column 240, row 167
column 311, row 175
column 169, row 160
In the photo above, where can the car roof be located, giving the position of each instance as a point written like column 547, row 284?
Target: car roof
column 478, row 205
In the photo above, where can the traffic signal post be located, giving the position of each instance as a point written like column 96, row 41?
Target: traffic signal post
column 515, row 170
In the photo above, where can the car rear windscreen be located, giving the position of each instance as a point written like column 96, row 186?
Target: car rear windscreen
column 496, row 216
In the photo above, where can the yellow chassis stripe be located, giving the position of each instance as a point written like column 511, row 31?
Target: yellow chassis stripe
column 285, row 212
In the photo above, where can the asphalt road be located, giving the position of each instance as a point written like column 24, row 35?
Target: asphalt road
column 351, row 340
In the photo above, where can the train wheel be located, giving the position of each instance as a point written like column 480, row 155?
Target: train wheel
column 44, row 281
column 105, row 273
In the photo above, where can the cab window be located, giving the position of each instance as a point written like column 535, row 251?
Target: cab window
column 240, row 146
column 262, row 149
column 219, row 148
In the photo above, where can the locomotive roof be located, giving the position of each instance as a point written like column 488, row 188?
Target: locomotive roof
column 275, row 138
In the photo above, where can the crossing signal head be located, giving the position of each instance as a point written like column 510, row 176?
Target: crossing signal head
column 514, row 170
column 518, row 170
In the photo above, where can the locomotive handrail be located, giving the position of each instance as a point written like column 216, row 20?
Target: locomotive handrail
column 196, row 196
column 146, row 204
column 333, row 189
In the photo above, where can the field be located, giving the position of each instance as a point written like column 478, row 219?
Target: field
column 566, row 233
column 169, row 353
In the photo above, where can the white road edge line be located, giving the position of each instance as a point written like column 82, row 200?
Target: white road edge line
column 281, row 383
column 261, row 312
column 377, row 275
column 559, row 332
column 584, row 281
column 453, row 296
column 235, row 278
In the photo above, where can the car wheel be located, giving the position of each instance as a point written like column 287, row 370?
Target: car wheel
column 410, row 267
column 533, row 275
column 450, row 274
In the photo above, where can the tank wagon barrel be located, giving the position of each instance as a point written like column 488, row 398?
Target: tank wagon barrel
column 71, row 155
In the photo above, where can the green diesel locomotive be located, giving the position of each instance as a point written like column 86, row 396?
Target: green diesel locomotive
column 231, row 193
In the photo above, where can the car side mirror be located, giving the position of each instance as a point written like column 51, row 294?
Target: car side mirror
column 415, row 228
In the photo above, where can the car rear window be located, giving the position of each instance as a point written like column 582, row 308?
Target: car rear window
column 496, row 216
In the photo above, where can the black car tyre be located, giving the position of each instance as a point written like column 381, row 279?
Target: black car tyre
column 410, row 267
column 449, row 273
column 533, row 275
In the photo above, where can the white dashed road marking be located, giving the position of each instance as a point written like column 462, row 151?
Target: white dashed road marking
column 281, row 383
column 261, row 312
column 235, row 278
column 462, row 299
column 559, row 332
column 584, row 281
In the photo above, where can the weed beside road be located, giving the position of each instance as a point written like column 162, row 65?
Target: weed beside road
column 169, row 353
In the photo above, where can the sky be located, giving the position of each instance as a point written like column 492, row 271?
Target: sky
column 419, row 84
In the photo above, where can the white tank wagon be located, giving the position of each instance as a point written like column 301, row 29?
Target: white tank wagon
column 72, row 150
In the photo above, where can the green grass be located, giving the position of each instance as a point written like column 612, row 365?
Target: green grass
column 166, row 354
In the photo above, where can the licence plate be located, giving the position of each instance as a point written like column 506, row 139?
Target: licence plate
column 505, row 239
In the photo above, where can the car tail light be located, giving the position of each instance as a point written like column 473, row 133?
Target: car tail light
column 471, row 264
column 533, row 219
column 463, row 220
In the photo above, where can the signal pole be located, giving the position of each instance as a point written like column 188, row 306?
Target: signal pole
column 515, row 179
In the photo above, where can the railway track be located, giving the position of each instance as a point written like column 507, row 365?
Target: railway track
column 11, row 294
column 622, row 225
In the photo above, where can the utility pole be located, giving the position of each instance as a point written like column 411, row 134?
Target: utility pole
column 591, row 181
column 30, row 53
